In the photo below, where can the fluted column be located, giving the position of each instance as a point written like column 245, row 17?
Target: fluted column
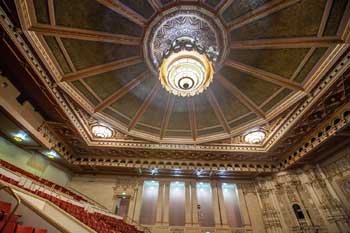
column 223, row 213
column 194, row 204
column 216, row 207
column 132, row 203
column 188, row 212
column 160, row 203
column 138, row 202
column 166, row 204
column 244, row 209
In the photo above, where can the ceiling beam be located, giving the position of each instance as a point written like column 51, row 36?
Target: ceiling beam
column 301, row 42
column 144, row 106
column 83, row 34
column 326, row 12
column 241, row 96
column 192, row 117
column 166, row 116
column 125, row 11
column 99, row 69
column 303, row 62
column 51, row 9
column 122, row 91
column 264, row 75
column 155, row 4
column 260, row 12
column 218, row 111
column 65, row 54
column 222, row 6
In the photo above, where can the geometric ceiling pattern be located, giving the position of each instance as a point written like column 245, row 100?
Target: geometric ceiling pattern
column 273, row 73
column 270, row 62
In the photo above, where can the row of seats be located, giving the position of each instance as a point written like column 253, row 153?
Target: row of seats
column 41, row 180
column 13, row 226
column 101, row 223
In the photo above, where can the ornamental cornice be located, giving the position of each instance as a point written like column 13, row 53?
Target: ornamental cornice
column 336, row 122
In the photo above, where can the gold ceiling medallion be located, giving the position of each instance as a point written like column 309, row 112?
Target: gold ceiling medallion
column 187, row 69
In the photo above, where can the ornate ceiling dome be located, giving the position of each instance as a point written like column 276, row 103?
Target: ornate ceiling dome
column 192, row 22
column 185, row 43
column 107, row 57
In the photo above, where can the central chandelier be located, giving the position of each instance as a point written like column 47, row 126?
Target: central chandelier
column 186, row 68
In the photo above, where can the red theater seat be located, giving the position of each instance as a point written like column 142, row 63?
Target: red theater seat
column 6, row 207
column 23, row 229
column 10, row 228
column 100, row 222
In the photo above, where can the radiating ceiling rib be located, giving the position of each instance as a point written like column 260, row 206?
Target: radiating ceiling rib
column 221, row 6
column 144, row 106
column 264, row 10
column 192, row 117
column 155, row 4
column 65, row 54
column 343, row 31
column 123, row 10
column 276, row 93
column 122, row 91
column 166, row 116
column 224, row 6
column 218, row 111
column 264, row 75
column 99, row 69
column 51, row 10
column 324, row 19
column 90, row 90
column 302, row 63
column 297, row 42
column 83, row 34
column 241, row 96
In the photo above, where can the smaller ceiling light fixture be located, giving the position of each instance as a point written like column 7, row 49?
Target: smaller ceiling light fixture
column 255, row 137
column 20, row 137
column 52, row 154
column 154, row 171
column 101, row 131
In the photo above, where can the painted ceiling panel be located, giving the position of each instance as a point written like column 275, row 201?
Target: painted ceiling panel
column 91, row 15
column 298, row 20
column 85, row 54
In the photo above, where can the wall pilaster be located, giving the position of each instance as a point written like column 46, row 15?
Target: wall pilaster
column 166, row 203
column 188, row 207
column 223, row 214
column 137, row 209
column 160, row 204
column 194, row 204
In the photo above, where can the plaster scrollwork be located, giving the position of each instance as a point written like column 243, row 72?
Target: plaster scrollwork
column 62, row 148
column 290, row 191
column 125, row 187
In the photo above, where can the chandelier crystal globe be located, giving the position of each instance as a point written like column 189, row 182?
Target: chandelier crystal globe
column 101, row 131
column 186, row 68
column 255, row 137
